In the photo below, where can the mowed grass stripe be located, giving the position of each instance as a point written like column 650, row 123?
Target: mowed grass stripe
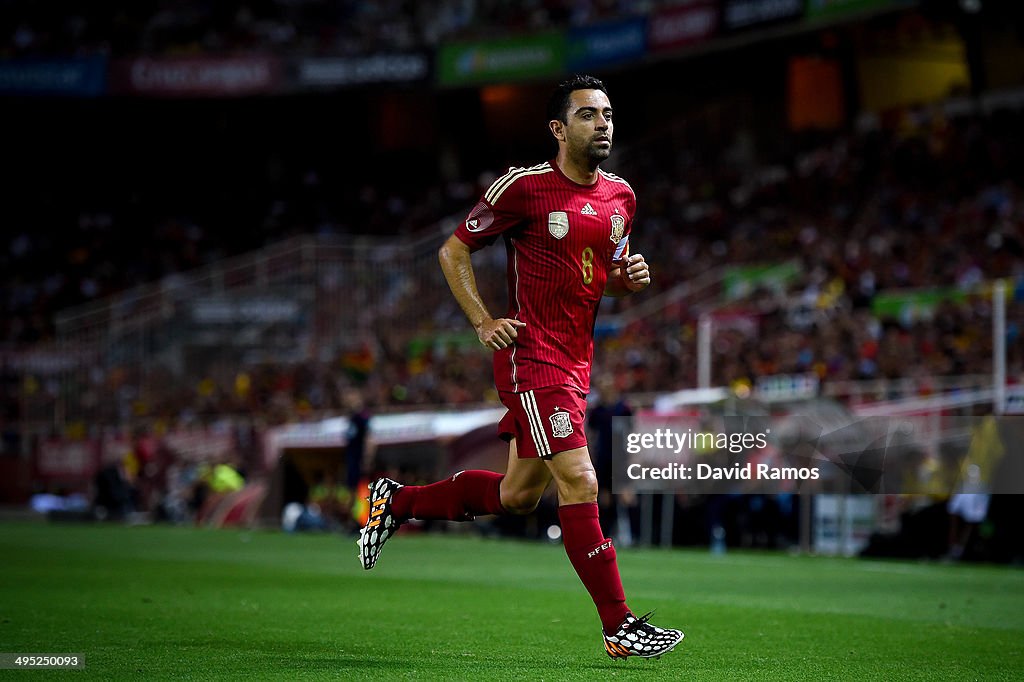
column 183, row 603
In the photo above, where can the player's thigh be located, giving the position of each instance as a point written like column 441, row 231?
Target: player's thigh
column 574, row 476
column 524, row 483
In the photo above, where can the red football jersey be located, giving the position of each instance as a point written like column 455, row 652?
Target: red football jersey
column 561, row 238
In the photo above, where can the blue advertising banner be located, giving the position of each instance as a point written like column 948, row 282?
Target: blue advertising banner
column 606, row 44
column 738, row 15
column 74, row 77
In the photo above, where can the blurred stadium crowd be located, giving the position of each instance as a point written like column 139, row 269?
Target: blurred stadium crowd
column 295, row 26
column 885, row 209
column 888, row 208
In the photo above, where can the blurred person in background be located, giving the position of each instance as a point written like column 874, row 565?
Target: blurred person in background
column 614, row 510
column 355, row 446
column 214, row 481
column 115, row 494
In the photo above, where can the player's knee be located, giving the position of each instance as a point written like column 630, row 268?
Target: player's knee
column 579, row 486
column 520, row 502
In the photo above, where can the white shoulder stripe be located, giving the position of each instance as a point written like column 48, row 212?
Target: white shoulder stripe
column 615, row 178
column 512, row 181
column 511, row 171
column 504, row 181
column 501, row 184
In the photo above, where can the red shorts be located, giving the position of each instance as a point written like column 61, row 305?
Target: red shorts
column 544, row 421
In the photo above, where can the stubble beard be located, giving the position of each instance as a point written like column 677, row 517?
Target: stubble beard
column 594, row 155
column 598, row 154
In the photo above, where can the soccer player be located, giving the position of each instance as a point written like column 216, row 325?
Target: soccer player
column 566, row 226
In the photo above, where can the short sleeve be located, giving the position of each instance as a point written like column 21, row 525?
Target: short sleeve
column 487, row 221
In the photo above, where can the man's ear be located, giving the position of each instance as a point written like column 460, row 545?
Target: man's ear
column 557, row 129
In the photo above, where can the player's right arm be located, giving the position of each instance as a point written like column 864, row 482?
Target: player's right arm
column 458, row 271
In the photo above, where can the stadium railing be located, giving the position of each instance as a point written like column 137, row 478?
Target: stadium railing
column 305, row 299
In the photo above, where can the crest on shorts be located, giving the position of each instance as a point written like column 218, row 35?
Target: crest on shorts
column 558, row 224
column 561, row 426
column 618, row 228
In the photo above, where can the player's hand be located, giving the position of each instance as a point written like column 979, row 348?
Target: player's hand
column 500, row 333
column 635, row 273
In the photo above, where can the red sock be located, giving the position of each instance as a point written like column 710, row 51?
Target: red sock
column 459, row 498
column 593, row 557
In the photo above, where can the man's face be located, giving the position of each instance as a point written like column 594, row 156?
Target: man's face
column 588, row 131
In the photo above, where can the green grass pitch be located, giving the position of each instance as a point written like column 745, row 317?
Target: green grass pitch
column 182, row 603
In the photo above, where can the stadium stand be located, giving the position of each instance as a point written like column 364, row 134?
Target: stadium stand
column 306, row 26
column 870, row 222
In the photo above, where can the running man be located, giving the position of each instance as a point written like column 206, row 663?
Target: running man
column 566, row 225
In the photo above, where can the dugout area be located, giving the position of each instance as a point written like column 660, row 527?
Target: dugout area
column 415, row 449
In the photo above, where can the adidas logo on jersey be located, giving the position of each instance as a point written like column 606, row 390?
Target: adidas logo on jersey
column 588, row 210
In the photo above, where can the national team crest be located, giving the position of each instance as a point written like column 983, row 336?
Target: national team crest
column 558, row 224
column 618, row 228
column 561, row 426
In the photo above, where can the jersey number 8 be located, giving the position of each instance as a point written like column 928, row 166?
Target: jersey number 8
column 587, row 265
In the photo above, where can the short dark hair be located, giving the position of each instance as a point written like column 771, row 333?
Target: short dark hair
column 558, row 105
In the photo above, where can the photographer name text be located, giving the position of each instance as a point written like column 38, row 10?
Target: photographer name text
column 708, row 472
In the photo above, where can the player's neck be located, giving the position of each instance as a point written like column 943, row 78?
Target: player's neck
column 580, row 173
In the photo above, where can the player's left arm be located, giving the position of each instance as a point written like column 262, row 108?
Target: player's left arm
column 630, row 275
column 629, row 272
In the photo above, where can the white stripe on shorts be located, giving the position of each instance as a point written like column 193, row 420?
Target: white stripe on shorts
column 533, row 426
column 543, row 447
